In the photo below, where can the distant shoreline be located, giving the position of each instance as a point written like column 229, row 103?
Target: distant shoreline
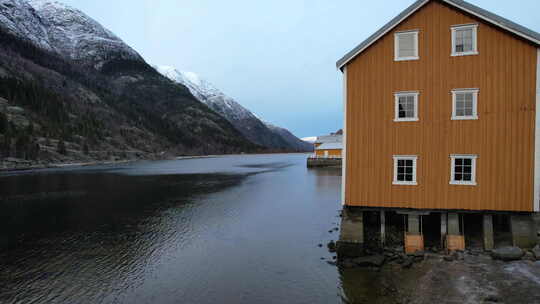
column 20, row 165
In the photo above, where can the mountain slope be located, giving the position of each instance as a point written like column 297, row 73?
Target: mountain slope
column 244, row 120
column 293, row 141
column 78, row 82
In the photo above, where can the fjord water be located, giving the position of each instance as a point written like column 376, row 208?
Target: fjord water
column 231, row 229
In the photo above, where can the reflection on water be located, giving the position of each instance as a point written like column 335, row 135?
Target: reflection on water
column 235, row 229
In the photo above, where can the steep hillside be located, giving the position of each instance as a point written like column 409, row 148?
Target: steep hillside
column 293, row 141
column 244, row 120
column 76, row 83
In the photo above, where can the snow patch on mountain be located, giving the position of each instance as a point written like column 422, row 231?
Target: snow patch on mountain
column 207, row 93
column 59, row 28
column 19, row 18
column 309, row 139
column 249, row 124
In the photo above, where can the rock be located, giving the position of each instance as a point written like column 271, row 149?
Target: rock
column 347, row 264
column 492, row 299
column 507, row 254
column 529, row 255
column 419, row 254
column 448, row 258
column 331, row 246
column 370, row 261
column 536, row 252
column 458, row 255
column 320, row 245
column 349, row 249
column 336, row 229
column 331, row 263
column 408, row 262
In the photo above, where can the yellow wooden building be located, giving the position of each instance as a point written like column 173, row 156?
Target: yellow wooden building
column 441, row 118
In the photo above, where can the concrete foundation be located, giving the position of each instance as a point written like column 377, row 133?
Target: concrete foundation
column 444, row 227
column 413, row 224
column 322, row 162
column 487, row 232
column 524, row 234
column 453, row 224
column 383, row 228
column 351, row 238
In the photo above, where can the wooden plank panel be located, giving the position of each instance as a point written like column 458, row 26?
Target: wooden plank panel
column 503, row 137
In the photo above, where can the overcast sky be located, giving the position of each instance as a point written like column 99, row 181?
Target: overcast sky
column 276, row 58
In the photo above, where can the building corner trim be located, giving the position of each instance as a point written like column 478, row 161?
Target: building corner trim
column 536, row 198
column 344, row 150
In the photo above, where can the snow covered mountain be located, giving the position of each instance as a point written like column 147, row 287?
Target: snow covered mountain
column 88, row 86
column 59, row 28
column 208, row 94
column 244, row 120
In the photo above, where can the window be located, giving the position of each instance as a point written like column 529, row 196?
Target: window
column 464, row 104
column 405, row 170
column 406, row 46
column 463, row 169
column 464, row 40
column 406, row 106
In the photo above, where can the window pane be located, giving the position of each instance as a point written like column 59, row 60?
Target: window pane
column 467, row 177
column 468, row 97
column 409, row 162
column 406, row 47
column 406, row 107
column 409, row 177
column 459, row 161
column 401, row 170
column 400, row 162
column 467, row 169
column 458, row 177
column 409, row 170
column 401, row 177
column 409, row 106
column 464, row 40
column 467, row 162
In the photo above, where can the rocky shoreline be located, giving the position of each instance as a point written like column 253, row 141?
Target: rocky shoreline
column 388, row 275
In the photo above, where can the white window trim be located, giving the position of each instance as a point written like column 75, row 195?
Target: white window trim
column 473, row 171
column 474, row 27
column 414, row 158
column 396, row 46
column 397, row 95
column 474, row 115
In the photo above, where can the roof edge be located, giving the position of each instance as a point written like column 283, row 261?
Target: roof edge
column 481, row 13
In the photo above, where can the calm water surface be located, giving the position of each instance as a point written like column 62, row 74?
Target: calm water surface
column 233, row 229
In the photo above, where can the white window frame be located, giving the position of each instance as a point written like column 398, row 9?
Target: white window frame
column 473, row 159
column 397, row 95
column 474, row 28
column 474, row 115
column 414, row 158
column 396, row 46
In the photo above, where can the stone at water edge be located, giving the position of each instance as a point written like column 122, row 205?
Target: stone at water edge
column 370, row 261
column 507, row 254
column 536, row 252
column 331, row 246
column 408, row 262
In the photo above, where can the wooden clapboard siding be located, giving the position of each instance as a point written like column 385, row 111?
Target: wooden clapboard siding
column 502, row 137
